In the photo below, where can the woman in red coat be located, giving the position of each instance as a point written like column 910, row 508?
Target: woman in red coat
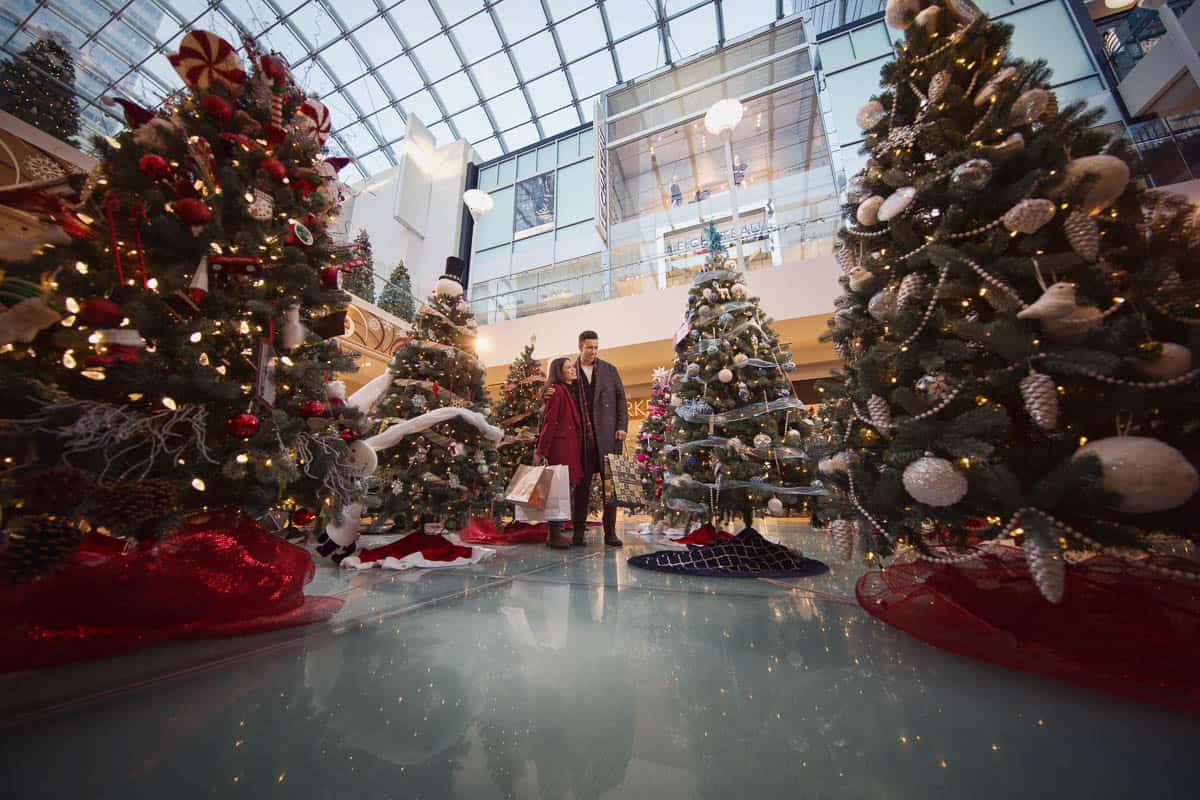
column 561, row 437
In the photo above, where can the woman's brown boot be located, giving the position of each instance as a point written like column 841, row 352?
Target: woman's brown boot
column 557, row 539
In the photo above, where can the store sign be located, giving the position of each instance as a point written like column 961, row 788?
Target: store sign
column 636, row 407
column 601, row 161
column 692, row 241
column 534, row 207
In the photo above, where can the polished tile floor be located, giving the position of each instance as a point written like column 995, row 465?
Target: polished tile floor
column 541, row 674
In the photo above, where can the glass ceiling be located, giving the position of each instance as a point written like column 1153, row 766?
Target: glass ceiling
column 501, row 74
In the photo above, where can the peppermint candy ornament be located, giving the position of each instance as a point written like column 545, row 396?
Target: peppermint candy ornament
column 313, row 120
column 205, row 61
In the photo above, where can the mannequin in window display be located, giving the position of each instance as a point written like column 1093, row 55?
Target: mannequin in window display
column 676, row 192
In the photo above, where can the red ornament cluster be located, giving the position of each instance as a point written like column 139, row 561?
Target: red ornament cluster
column 155, row 167
column 193, row 212
column 242, row 426
column 312, row 408
column 100, row 312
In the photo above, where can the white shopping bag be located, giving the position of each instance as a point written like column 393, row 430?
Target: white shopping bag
column 558, row 500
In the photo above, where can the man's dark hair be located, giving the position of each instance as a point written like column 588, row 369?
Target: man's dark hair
column 583, row 337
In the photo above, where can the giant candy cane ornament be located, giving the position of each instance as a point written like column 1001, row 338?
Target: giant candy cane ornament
column 205, row 60
column 313, row 119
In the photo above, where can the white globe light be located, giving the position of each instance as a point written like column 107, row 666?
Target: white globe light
column 478, row 201
column 723, row 116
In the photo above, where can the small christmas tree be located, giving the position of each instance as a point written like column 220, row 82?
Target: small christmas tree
column 179, row 350
column 38, row 85
column 735, row 444
column 519, row 411
column 1018, row 317
column 360, row 280
column 397, row 296
column 652, row 438
column 445, row 472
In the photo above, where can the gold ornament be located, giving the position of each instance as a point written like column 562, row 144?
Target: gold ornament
column 912, row 285
column 1028, row 216
column 1083, row 234
column 843, row 532
column 1041, row 400
column 1046, row 567
column 881, row 413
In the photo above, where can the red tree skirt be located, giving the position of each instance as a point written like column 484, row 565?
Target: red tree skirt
column 482, row 530
column 1130, row 634
column 418, row 549
column 221, row 574
column 705, row 535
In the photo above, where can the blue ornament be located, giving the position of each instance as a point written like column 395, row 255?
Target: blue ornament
column 726, row 319
column 691, row 462
column 712, row 350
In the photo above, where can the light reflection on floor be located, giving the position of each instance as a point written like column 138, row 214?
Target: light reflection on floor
column 571, row 675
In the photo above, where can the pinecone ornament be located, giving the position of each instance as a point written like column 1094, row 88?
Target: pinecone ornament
column 1046, row 567
column 845, row 258
column 910, row 287
column 1083, row 234
column 130, row 506
column 840, row 350
column 1041, row 400
column 938, row 85
column 844, row 532
column 881, row 413
column 37, row 548
column 46, row 489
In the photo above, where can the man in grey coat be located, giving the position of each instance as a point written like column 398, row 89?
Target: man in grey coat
column 600, row 397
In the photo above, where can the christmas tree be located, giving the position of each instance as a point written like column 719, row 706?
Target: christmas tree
column 519, row 411
column 397, row 296
column 179, row 350
column 442, row 465
column 652, row 438
column 38, row 86
column 735, row 444
column 360, row 280
column 1017, row 316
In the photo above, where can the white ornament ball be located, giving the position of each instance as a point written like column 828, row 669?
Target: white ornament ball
column 708, row 294
column 448, row 287
column 868, row 210
column 738, row 291
column 775, row 507
column 934, row 481
column 838, row 462
column 362, row 458
column 762, row 441
column 740, row 359
column 1174, row 360
column 897, row 203
column 725, row 375
column 899, row 12
column 1149, row 475
column 870, row 114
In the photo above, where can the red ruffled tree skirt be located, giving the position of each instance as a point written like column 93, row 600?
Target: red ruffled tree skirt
column 418, row 549
column 705, row 535
column 482, row 530
column 221, row 574
column 1131, row 634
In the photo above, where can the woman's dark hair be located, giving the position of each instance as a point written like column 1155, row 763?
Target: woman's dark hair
column 554, row 375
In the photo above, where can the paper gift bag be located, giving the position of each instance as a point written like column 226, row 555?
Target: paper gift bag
column 529, row 486
column 557, row 507
column 623, row 481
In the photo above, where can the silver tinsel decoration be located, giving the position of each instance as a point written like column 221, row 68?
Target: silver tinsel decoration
column 1083, row 234
column 910, row 286
column 881, row 414
column 1041, row 400
column 1046, row 567
column 844, row 532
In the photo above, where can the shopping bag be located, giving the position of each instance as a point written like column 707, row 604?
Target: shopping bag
column 557, row 506
column 529, row 486
column 623, row 481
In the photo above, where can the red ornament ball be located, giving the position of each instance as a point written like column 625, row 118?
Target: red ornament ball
column 312, row 408
column 303, row 516
column 349, row 434
column 273, row 167
column 192, row 211
column 242, row 425
column 100, row 312
column 155, row 167
column 216, row 107
column 329, row 277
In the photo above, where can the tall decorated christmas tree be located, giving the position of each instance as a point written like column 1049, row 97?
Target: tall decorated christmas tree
column 735, row 445
column 397, row 296
column 440, row 463
column 1019, row 317
column 652, row 438
column 178, row 353
column 360, row 279
column 518, row 412
column 38, row 86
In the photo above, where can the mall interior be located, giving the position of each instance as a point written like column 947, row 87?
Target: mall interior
column 563, row 152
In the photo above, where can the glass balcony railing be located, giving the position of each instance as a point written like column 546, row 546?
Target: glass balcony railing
column 1128, row 38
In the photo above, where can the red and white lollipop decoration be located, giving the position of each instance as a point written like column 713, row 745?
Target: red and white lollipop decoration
column 313, row 119
column 205, row 60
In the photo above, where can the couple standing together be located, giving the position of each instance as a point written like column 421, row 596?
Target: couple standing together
column 584, row 420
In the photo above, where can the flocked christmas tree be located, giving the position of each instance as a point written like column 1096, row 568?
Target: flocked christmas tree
column 38, row 86
column 736, row 444
column 397, row 297
column 445, row 468
column 179, row 351
column 518, row 411
column 1019, row 316
column 652, row 438
column 360, row 277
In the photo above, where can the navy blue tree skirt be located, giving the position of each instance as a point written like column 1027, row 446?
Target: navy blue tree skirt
column 747, row 555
